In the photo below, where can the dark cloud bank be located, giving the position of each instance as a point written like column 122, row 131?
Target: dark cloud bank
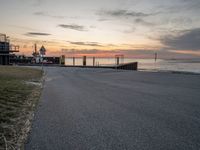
column 185, row 40
column 46, row 14
column 130, row 16
column 37, row 34
column 73, row 27
column 122, row 13
column 86, row 43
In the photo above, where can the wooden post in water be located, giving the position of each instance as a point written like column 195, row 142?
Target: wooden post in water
column 117, row 60
column 62, row 60
column 84, row 60
column 93, row 61
column 73, row 61
column 156, row 55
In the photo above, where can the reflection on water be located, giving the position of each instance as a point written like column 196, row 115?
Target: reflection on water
column 145, row 64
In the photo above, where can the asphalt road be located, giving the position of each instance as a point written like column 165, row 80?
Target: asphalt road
column 104, row 109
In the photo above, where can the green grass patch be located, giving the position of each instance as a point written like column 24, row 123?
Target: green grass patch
column 18, row 99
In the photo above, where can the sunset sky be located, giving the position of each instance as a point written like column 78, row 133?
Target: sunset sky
column 135, row 28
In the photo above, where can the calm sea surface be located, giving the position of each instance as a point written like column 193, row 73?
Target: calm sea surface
column 187, row 65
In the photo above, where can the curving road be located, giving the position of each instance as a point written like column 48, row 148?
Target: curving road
column 104, row 109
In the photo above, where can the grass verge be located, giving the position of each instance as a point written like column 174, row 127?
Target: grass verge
column 19, row 93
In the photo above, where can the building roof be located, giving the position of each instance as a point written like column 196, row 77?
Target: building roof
column 42, row 50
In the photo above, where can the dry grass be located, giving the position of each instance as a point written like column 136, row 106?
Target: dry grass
column 17, row 103
column 19, row 73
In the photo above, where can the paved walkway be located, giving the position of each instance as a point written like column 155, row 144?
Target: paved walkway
column 97, row 109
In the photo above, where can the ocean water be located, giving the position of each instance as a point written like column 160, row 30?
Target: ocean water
column 182, row 65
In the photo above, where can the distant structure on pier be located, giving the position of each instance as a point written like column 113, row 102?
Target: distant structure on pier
column 6, row 49
column 35, row 52
column 38, row 55
column 42, row 51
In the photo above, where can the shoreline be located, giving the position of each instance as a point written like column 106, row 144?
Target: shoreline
column 170, row 71
column 111, row 67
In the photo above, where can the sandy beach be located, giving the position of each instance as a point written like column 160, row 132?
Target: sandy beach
column 113, row 109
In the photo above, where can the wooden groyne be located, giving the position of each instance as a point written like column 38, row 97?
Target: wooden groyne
column 128, row 66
